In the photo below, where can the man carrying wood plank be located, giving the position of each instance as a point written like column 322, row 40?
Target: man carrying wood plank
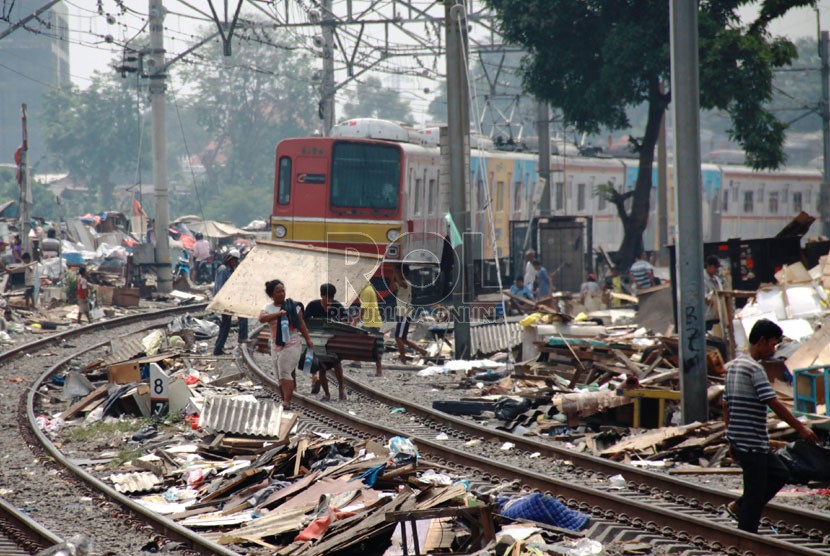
column 746, row 397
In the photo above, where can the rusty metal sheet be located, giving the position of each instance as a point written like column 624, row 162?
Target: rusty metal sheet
column 301, row 267
column 130, row 483
column 242, row 415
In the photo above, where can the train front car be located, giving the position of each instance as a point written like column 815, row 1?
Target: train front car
column 370, row 186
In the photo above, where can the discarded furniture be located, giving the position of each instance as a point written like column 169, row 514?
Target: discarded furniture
column 479, row 519
column 638, row 394
column 807, row 383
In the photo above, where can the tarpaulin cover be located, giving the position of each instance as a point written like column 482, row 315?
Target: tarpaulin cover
column 544, row 509
column 301, row 268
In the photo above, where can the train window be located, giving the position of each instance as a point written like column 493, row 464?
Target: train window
column 432, row 193
column 517, row 196
column 748, row 202
column 601, row 200
column 284, row 187
column 481, row 194
column 580, row 197
column 365, row 176
column 773, row 202
column 419, row 192
column 724, row 207
column 560, row 195
column 796, row 201
column 499, row 196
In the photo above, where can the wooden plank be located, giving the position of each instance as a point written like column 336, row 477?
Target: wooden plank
column 629, row 364
column 302, row 445
column 697, row 470
column 79, row 406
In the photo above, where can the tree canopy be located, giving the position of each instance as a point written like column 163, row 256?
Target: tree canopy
column 594, row 59
column 243, row 106
column 94, row 134
column 373, row 100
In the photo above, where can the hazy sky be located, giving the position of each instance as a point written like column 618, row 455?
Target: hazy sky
column 90, row 53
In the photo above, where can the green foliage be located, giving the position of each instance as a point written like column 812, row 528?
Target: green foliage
column 609, row 56
column 242, row 107
column 70, row 287
column 105, row 431
column 239, row 203
column 373, row 100
column 43, row 202
column 94, row 134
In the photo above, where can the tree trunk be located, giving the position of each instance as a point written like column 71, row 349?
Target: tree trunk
column 635, row 222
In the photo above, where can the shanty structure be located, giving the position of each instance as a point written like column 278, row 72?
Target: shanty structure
column 301, row 268
column 211, row 229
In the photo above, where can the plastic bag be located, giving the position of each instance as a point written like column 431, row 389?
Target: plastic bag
column 76, row 545
column 806, row 462
column 400, row 446
column 508, row 409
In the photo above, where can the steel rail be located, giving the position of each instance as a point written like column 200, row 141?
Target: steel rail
column 694, row 492
column 166, row 526
column 34, row 531
column 699, row 530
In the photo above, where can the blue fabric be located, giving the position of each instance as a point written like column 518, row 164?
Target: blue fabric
column 544, row 509
column 521, row 292
column 543, row 279
column 371, row 475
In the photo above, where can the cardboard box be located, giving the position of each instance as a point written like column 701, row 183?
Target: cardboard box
column 124, row 373
column 125, row 297
column 103, row 294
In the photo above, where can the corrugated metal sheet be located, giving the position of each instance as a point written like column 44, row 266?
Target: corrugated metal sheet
column 125, row 348
column 135, row 482
column 242, row 416
column 487, row 339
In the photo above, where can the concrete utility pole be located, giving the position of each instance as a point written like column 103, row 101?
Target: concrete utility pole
column 327, row 89
column 23, row 181
column 458, row 131
column 662, row 189
column 687, row 189
column 824, row 53
column 543, row 131
column 157, row 87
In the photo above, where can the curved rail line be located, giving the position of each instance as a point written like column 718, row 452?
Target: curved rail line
column 651, row 502
column 159, row 523
column 20, row 534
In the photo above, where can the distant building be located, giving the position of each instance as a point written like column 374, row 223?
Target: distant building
column 35, row 59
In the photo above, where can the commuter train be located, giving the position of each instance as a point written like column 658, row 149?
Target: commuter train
column 378, row 187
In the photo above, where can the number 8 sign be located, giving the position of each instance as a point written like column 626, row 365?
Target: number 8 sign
column 159, row 391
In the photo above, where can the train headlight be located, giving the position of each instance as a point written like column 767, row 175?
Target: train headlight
column 393, row 234
column 280, row 231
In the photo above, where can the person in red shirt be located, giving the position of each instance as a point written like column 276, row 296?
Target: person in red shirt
column 82, row 293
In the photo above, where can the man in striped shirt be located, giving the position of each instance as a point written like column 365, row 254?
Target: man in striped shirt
column 746, row 397
column 642, row 272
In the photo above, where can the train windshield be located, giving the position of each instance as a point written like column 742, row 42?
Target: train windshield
column 365, row 176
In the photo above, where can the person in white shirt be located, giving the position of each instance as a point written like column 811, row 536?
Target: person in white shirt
column 285, row 317
column 530, row 270
column 712, row 283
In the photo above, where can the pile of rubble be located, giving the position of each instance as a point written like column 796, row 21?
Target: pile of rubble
column 209, row 450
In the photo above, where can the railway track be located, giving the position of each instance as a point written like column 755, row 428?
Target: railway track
column 40, row 479
column 20, row 535
column 678, row 516
column 664, row 508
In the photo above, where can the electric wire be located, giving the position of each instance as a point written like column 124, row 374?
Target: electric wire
column 189, row 164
